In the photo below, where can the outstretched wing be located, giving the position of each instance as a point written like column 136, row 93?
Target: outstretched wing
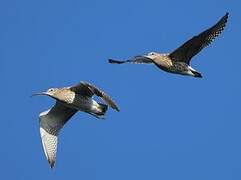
column 51, row 121
column 193, row 46
column 136, row 60
column 82, row 89
column 86, row 88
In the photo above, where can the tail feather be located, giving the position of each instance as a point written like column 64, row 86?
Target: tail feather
column 102, row 109
column 197, row 74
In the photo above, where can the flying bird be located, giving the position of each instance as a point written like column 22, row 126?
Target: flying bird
column 178, row 61
column 69, row 100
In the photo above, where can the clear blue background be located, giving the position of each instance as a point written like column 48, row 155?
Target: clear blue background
column 170, row 127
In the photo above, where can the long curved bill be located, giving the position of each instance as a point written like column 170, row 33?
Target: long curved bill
column 39, row 94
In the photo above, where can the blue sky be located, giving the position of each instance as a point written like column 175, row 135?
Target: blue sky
column 170, row 127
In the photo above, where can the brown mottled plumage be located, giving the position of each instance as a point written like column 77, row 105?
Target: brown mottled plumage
column 69, row 100
column 178, row 61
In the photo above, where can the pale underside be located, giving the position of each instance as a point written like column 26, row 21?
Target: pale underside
column 52, row 120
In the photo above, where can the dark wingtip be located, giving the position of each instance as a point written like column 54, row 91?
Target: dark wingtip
column 226, row 16
column 117, row 109
column 112, row 61
column 114, row 106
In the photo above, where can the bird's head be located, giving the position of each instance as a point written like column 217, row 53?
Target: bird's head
column 50, row 92
column 152, row 55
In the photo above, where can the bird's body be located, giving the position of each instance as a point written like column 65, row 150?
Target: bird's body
column 164, row 62
column 78, row 102
column 69, row 100
column 178, row 61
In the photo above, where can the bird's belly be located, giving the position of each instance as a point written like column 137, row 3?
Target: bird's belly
column 176, row 68
column 166, row 65
column 180, row 68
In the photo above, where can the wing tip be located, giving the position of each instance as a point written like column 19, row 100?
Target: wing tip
column 117, row 109
column 45, row 136
column 112, row 61
column 225, row 17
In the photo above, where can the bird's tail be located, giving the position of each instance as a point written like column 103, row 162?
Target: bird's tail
column 197, row 74
column 102, row 108
column 194, row 73
column 112, row 61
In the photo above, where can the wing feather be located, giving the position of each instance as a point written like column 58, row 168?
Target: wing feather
column 87, row 88
column 51, row 122
column 193, row 46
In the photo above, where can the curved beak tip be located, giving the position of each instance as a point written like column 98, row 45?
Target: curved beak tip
column 38, row 94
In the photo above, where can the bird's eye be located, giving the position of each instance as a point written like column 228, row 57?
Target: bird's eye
column 50, row 90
